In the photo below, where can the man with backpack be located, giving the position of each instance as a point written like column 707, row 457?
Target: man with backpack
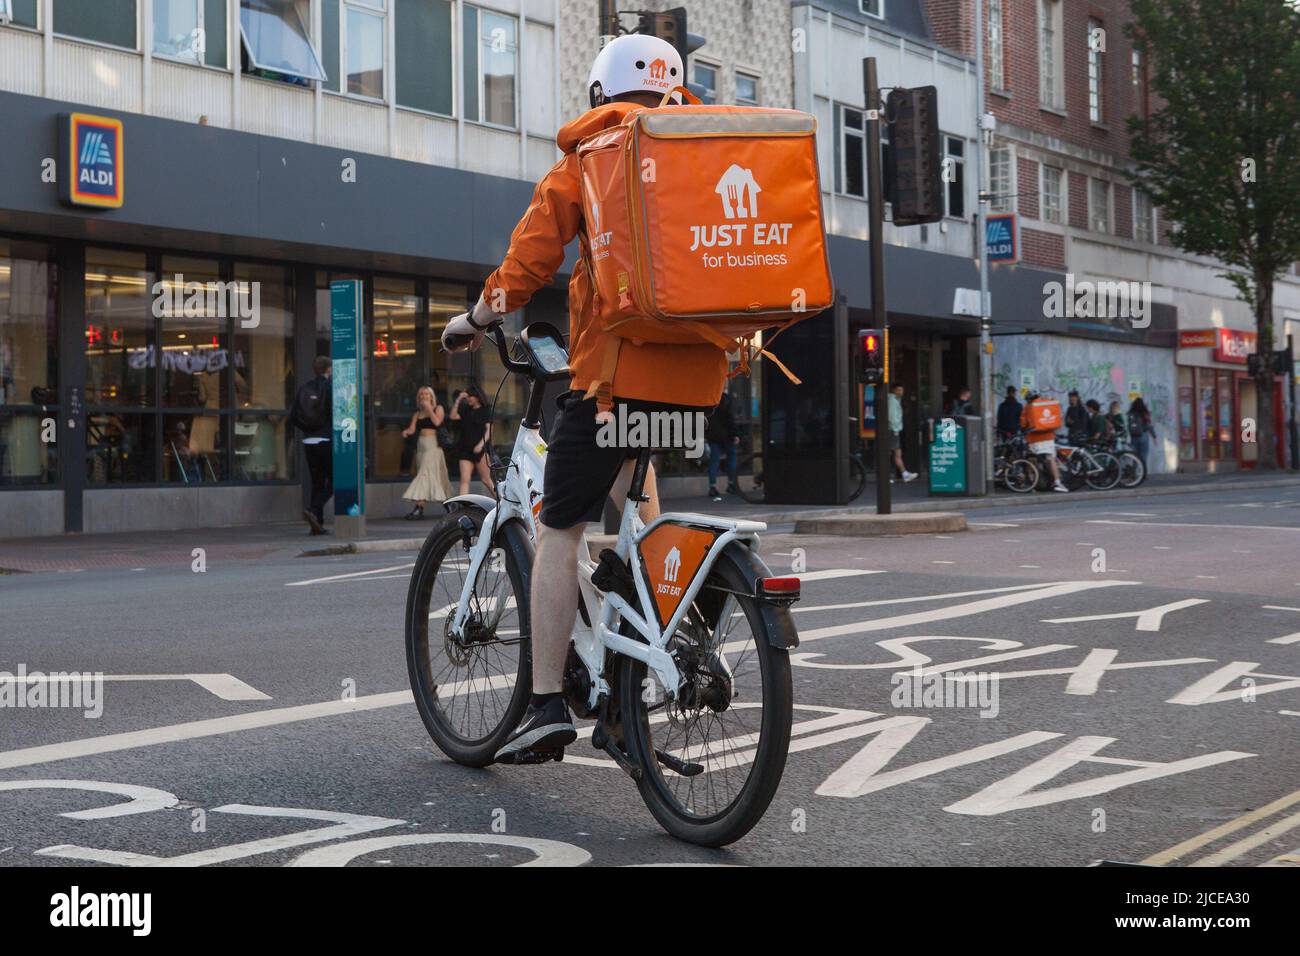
column 651, row 363
column 313, row 415
column 1040, row 420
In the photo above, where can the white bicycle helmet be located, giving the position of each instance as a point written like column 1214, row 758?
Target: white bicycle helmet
column 633, row 63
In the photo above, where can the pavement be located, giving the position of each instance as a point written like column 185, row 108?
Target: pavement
column 149, row 549
column 1132, row 676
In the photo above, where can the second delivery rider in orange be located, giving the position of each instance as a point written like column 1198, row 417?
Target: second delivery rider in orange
column 632, row 72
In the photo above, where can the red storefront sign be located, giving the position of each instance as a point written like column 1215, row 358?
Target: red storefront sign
column 1233, row 346
column 1196, row 339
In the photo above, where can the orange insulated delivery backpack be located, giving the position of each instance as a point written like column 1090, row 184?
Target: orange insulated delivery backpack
column 704, row 224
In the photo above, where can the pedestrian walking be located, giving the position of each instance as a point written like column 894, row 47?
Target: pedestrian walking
column 430, row 482
column 896, row 431
column 1140, row 429
column 313, row 416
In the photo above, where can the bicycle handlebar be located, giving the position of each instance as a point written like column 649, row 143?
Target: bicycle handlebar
column 498, row 336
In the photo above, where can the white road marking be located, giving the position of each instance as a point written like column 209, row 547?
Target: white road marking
column 1285, row 639
column 990, row 524
column 943, row 562
column 142, row 799
column 1132, row 514
column 190, row 730
column 1181, row 524
column 1290, row 713
column 1222, row 830
column 548, row 852
column 225, row 686
column 1148, row 620
column 1209, row 689
column 1279, row 607
column 799, row 608
column 353, row 574
column 1086, row 675
column 1031, row 567
column 831, row 573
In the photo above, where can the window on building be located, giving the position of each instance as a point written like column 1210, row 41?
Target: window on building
column 997, row 75
column 1096, row 52
column 103, row 21
column 422, row 60
column 1052, row 193
column 850, row 153
column 873, row 8
column 1141, row 103
column 1002, row 177
column 363, row 43
column 705, row 78
column 29, row 347
column 190, row 30
column 746, row 89
column 491, row 55
column 276, row 42
column 1144, row 217
column 1099, row 217
column 1051, row 78
column 955, row 160
column 21, row 13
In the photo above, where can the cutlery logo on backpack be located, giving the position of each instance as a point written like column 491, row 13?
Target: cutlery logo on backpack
column 738, row 191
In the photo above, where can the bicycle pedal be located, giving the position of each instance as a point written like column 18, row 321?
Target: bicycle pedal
column 532, row 757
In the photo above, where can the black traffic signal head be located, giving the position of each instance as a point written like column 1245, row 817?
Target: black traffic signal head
column 871, row 355
column 914, row 176
column 671, row 26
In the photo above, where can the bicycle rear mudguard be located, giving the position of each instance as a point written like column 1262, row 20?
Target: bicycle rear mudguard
column 675, row 552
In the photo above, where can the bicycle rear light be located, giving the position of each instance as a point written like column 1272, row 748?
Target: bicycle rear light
column 784, row 589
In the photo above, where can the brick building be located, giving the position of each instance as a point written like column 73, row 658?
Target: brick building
column 1061, row 80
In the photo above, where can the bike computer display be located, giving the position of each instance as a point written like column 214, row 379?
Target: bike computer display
column 545, row 349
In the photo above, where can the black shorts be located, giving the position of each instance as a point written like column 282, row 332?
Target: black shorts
column 580, row 472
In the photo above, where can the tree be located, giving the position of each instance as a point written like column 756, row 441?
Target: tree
column 1220, row 153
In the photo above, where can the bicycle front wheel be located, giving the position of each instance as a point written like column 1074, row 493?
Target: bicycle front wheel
column 471, row 689
column 1104, row 474
column 713, row 757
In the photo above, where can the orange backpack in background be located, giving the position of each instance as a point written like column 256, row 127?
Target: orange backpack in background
column 1044, row 415
column 704, row 224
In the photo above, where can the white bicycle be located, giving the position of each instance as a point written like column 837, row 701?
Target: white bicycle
column 679, row 649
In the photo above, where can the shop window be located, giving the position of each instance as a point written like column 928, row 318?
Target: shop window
column 423, row 54
column 396, row 372
column 276, row 42
column 28, row 364
column 192, row 304
column 263, row 448
column 120, row 344
column 193, row 450
column 262, row 362
column 120, row 448
column 103, row 21
column 490, row 57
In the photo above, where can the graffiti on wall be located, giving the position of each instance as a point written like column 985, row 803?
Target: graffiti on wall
column 1104, row 381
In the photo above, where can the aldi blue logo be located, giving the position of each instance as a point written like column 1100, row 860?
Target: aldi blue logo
column 94, row 149
column 1000, row 237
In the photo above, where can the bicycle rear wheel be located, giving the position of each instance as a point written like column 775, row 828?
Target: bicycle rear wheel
column 727, row 735
column 1021, row 476
column 471, row 691
column 1131, row 470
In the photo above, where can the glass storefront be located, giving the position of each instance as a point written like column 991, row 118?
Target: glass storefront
column 29, row 349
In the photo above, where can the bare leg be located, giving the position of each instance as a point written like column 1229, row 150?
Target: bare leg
column 553, row 605
column 484, row 473
column 618, row 493
column 466, row 470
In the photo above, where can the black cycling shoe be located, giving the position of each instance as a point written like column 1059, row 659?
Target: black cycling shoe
column 544, row 730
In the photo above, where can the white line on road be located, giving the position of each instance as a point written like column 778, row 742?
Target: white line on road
column 990, row 524
column 353, row 574
column 800, row 609
column 1279, row 607
column 225, row 686
column 1188, row 524
column 1234, row 850
column 830, row 573
column 1148, row 620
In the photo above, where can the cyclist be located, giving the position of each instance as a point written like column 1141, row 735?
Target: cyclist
column 1042, row 442
column 630, row 73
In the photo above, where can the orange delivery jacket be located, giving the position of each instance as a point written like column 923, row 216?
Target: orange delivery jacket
column 678, row 374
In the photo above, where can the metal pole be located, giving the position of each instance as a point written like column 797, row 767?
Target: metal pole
column 981, row 249
column 609, row 26
column 1290, row 377
column 877, row 242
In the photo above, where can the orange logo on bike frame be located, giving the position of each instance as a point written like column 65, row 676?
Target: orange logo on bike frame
column 672, row 554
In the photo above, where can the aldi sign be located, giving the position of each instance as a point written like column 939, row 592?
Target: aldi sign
column 92, row 148
column 1000, row 237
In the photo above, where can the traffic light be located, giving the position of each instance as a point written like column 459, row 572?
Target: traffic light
column 914, row 172
column 671, row 26
column 872, row 350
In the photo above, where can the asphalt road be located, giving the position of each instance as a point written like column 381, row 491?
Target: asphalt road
column 1146, row 707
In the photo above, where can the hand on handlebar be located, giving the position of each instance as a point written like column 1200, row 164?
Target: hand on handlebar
column 466, row 330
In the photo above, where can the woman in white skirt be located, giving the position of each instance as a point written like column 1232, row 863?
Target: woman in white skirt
column 430, row 482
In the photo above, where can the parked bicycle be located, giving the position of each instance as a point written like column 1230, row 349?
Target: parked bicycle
column 1083, row 465
column 680, row 651
column 1014, row 466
